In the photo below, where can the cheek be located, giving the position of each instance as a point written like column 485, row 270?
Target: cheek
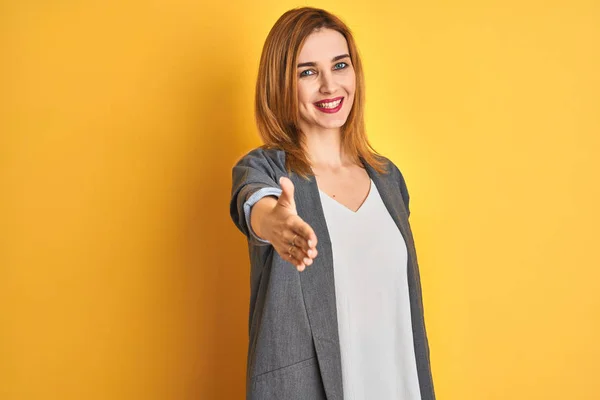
column 352, row 82
column 349, row 83
column 303, row 93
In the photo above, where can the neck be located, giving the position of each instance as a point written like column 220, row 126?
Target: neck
column 324, row 148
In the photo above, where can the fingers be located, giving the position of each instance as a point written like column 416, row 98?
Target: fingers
column 300, row 243
column 304, row 231
column 296, row 257
column 294, row 239
column 297, row 240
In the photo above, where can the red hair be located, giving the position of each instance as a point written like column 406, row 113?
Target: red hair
column 276, row 102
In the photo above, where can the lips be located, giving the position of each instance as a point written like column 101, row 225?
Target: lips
column 330, row 106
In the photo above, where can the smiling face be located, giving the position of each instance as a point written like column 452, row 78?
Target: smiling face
column 326, row 82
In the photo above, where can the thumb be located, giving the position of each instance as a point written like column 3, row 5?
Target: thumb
column 286, row 199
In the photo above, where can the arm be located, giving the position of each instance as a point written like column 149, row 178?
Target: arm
column 253, row 179
column 256, row 207
column 266, row 212
column 257, row 214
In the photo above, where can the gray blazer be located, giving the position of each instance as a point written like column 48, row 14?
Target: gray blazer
column 294, row 349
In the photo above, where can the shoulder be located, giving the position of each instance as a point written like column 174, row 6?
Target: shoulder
column 391, row 169
column 263, row 158
column 260, row 165
column 394, row 175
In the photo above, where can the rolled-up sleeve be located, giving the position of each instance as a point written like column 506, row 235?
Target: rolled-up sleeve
column 256, row 196
column 253, row 177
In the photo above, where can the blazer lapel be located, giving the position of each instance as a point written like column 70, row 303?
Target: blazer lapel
column 318, row 288
column 392, row 198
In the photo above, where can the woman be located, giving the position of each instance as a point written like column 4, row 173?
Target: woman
column 347, row 322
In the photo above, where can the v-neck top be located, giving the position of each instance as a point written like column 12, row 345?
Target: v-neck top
column 372, row 301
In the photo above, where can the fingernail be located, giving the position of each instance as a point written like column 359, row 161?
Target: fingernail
column 309, row 243
column 309, row 252
column 301, row 268
column 307, row 261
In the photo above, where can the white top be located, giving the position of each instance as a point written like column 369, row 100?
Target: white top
column 373, row 307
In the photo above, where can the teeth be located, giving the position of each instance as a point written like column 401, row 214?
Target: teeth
column 332, row 104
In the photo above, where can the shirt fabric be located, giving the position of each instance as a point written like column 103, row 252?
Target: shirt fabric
column 372, row 301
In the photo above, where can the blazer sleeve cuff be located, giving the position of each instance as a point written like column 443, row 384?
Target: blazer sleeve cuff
column 253, row 199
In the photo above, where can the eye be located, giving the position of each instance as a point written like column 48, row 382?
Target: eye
column 340, row 65
column 307, row 72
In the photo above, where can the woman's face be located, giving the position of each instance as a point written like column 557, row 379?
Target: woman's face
column 326, row 82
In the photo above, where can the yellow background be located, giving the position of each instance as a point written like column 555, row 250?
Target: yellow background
column 121, row 274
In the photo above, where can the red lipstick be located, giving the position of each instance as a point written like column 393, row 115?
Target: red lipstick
column 320, row 107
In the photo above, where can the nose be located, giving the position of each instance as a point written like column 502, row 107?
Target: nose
column 328, row 84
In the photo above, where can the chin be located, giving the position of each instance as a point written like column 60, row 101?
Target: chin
column 334, row 124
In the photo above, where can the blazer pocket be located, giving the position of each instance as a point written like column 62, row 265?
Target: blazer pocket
column 301, row 380
column 286, row 370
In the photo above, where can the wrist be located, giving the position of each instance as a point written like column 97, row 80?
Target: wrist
column 261, row 215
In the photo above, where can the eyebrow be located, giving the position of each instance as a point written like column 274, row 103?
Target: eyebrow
column 312, row 63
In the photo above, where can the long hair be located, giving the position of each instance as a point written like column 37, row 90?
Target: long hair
column 276, row 100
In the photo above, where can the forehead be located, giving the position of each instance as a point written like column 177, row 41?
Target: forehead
column 323, row 45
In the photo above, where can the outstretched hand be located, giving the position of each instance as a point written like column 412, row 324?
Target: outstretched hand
column 293, row 239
